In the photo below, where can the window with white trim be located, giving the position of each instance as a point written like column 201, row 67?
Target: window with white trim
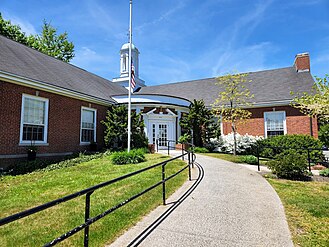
column 275, row 123
column 34, row 120
column 88, row 125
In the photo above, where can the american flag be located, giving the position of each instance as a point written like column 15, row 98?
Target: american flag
column 133, row 82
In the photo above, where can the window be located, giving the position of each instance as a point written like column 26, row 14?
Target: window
column 124, row 63
column 275, row 123
column 34, row 120
column 88, row 125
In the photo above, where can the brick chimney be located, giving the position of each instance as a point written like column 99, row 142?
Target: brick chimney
column 302, row 62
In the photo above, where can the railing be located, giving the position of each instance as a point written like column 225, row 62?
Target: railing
column 182, row 148
column 314, row 155
column 89, row 191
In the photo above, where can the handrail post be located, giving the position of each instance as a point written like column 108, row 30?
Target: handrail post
column 182, row 151
column 189, row 165
column 157, row 145
column 192, row 157
column 168, row 147
column 87, row 214
column 309, row 160
column 163, row 184
column 258, row 166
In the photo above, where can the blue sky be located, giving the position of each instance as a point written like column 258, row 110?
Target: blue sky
column 185, row 39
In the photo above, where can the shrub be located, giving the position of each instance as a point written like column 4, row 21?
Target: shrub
column 133, row 157
column 324, row 172
column 184, row 138
column 214, row 143
column 324, row 134
column 245, row 143
column 296, row 142
column 200, row 150
column 289, row 164
column 249, row 159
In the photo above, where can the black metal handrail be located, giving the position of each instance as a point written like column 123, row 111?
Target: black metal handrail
column 90, row 190
column 309, row 150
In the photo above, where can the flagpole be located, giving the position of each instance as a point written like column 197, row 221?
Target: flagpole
column 130, row 60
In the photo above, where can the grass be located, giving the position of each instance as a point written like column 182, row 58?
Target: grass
column 25, row 191
column 228, row 157
column 307, row 209
column 232, row 158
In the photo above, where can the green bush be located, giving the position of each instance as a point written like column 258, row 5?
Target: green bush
column 133, row 157
column 289, row 164
column 324, row 134
column 296, row 142
column 184, row 138
column 324, row 172
column 200, row 150
column 249, row 159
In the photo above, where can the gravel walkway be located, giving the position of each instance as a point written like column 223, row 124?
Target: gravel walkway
column 230, row 205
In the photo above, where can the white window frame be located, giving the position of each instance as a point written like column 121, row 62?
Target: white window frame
column 95, row 124
column 45, row 132
column 284, row 121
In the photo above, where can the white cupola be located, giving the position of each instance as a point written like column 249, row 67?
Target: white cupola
column 124, row 66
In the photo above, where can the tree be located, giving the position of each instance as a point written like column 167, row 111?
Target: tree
column 49, row 42
column 316, row 103
column 116, row 132
column 12, row 31
column 52, row 44
column 200, row 120
column 232, row 97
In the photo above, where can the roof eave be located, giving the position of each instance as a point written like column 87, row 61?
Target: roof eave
column 20, row 80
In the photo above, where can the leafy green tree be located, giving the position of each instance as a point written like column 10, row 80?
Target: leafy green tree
column 49, row 42
column 12, row 31
column 232, row 96
column 52, row 44
column 324, row 134
column 200, row 121
column 116, row 132
column 316, row 103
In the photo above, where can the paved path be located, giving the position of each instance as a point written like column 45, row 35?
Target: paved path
column 231, row 206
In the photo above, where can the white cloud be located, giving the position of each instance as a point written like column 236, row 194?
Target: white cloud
column 162, row 17
column 107, row 19
column 26, row 26
column 167, row 69
column 97, row 63
column 229, row 50
column 244, row 59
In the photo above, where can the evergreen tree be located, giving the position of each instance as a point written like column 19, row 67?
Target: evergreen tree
column 116, row 132
column 200, row 121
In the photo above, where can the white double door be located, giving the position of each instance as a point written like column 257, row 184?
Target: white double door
column 163, row 132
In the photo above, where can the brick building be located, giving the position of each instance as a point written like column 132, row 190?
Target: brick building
column 58, row 107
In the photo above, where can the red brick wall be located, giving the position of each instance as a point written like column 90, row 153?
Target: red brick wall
column 297, row 123
column 302, row 62
column 64, row 118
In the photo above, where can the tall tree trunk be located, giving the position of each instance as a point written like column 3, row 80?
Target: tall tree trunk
column 234, row 137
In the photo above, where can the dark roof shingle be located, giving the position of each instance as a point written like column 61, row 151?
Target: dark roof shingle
column 29, row 63
column 267, row 86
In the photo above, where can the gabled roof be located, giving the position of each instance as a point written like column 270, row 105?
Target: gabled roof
column 270, row 87
column 28, row 63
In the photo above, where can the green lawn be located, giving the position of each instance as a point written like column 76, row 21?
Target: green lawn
column 307, row 209
column 25, row 191
column 232, row 158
